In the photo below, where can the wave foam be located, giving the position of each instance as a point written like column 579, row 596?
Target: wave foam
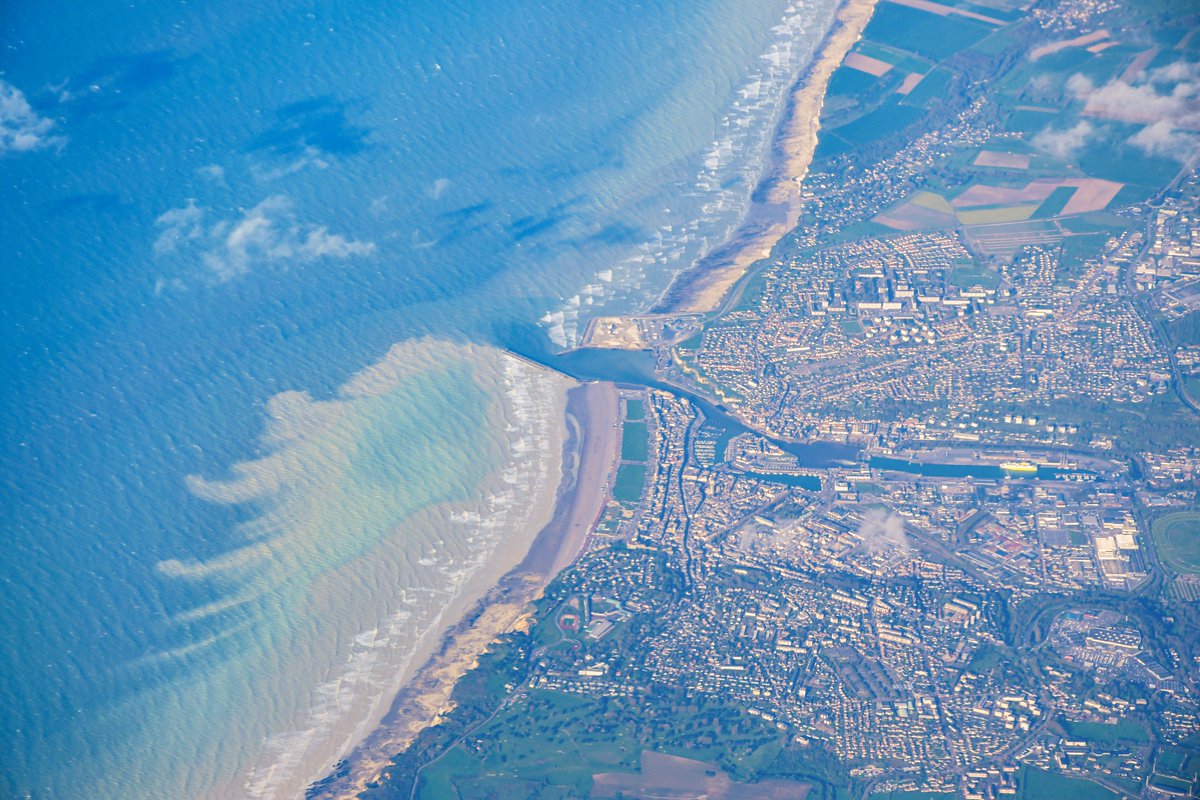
column 728, row 170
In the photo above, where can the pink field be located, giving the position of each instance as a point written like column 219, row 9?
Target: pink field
column 1091, row 194
column 982, row 195
column 1078, row 41
column 910, row 82
column 944, row 11
column 912, row 217
column 991, row 158
column 1139, row 63
column 871, row 66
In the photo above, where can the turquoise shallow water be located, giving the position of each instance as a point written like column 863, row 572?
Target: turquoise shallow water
column 211, row 206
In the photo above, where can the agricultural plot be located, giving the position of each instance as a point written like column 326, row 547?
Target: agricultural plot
column 919, row 31
column 1112, row 158
column 910, row 82
column 994, row 214
column 928, row 89
column 1056, row 203
column 888, row 118
column 993, row 158
column 674, row 776
column 552, row 744
column 985, row 204
column 867, row 64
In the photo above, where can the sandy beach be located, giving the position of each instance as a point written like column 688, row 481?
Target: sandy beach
column 776, row 207
column 497, row 602
column 485, row 537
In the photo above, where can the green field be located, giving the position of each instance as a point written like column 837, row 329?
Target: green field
column 1169, row 783
column 1037, row 784
column 930, row 90
column 1126, row 730
column 851, row 82
column 549, row 745
column 635, row 410
column 1192, row 387
column 1185, row 330
column 920, row 32
column 1076, row 250
column 998, row 214
column 902, row 60
column 1095, row 222
column 634, row 441
column 1177, row 540
column 628, row 486
column 1180, row 762
column 986, row 659
column 1053, row 205
column 1024, row 120
column 966, row 277
column 1109, row 157
column 889, row 118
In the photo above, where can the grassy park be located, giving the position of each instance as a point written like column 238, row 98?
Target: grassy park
column 1177, row 539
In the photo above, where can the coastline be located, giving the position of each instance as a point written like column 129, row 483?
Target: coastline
column 476, row 619
column 775, row 208
column 590, row 448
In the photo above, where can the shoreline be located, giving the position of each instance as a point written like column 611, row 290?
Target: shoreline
column 526, row 422
column 775, row 204
column 591, row 446
column 588, row 455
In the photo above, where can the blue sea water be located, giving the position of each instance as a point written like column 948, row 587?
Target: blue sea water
column 208, row 207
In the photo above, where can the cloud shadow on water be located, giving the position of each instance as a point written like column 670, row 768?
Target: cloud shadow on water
column 319, row 123
column 112, row 83
column 92, row 202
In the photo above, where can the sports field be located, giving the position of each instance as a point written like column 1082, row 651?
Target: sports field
column 1177, row 539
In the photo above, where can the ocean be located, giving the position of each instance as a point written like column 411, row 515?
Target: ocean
column 261, row 262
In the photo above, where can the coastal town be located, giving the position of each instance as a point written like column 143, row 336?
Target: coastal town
column 912, row 510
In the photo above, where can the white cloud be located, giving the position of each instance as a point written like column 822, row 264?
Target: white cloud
column 883, row 530
column 320, row 243
column 1166, row 94
column 21, row 129
column 214, row 172
column 179, row 225
column 1064, row 143
column 1164, row 140
column 268, row 234
column 1165, row 100
column 1175, row 72
column 311, row 157
column 1080, row 86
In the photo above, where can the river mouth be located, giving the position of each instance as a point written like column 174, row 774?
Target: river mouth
column 636, row 367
